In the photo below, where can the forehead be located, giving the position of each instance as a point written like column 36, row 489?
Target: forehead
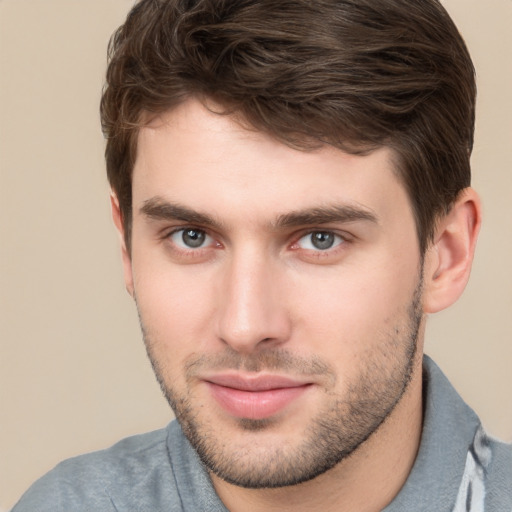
column 210, row 161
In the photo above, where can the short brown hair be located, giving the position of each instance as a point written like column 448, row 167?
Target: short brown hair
column 357, row 74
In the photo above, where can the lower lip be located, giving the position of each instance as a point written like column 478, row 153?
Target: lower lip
column 255, row 405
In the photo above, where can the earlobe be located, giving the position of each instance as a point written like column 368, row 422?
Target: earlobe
column 448, row 260
column 125, row 253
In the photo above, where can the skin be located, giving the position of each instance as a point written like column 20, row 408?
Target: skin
column 256, row 297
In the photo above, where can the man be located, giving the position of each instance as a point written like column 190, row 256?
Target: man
column 291, row 185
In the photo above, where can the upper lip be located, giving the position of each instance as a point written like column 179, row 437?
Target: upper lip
column 254, row 382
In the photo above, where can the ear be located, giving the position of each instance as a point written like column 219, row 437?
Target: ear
column 448, row 260
column 125, row 254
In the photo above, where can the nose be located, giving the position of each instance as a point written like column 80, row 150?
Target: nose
column 252, row 313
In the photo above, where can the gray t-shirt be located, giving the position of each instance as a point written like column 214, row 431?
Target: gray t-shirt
column 458, row 469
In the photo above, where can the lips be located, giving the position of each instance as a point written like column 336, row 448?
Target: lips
column 254, row 397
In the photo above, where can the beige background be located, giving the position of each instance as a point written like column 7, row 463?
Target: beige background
column 73, row 373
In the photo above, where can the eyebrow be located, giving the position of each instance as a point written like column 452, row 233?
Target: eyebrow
column 326, row 215
column 160, row 209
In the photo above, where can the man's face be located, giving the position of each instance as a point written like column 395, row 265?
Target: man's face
column 279, row 293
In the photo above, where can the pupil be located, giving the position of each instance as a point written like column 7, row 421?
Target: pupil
column 322, row 240
column 193, row 238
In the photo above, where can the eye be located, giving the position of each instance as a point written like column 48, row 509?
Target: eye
column 190, row 238
column 320, row 241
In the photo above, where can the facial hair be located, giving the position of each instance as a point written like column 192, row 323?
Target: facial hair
column 335, row 433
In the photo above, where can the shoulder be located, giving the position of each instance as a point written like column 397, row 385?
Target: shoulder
column 499, row 477
column 99, row 480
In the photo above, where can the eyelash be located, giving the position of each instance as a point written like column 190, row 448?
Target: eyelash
column 343, row 239
column 190, row 251
column 337, row 240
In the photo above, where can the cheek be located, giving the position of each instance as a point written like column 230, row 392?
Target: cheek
column 347, row 312
column 175, row 308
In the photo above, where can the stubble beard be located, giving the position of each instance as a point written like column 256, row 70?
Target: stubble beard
column 336, row 432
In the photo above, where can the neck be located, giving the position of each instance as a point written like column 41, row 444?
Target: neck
column 366, row 481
